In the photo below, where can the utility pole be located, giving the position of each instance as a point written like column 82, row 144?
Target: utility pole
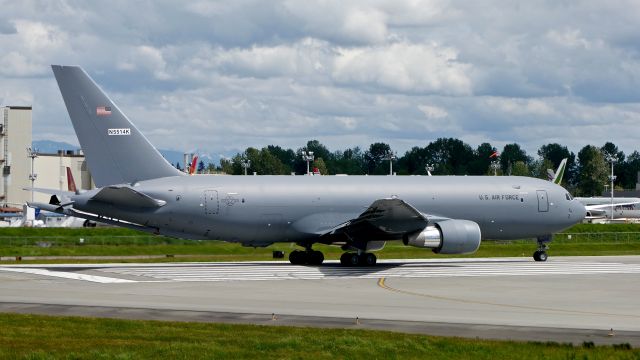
column 308, row 157
column 390, row 156
column 495, row 165
column 33, row 154
column 612, row 159
column 245, row 163
column 429, row 169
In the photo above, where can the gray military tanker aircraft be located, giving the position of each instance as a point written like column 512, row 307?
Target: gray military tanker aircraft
column 139, row 189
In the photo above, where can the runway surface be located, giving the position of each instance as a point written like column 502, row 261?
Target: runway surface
column 565, row 299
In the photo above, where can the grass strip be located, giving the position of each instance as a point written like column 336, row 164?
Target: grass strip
column 52, row 337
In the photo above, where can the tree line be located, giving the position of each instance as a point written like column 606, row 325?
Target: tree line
column 586, row 174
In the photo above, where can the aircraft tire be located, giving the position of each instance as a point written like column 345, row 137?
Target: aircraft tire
column 369, row 259
column 315, row 258
column 344, row 259
column 354, row 259
column 297, row 257
column 542, row 256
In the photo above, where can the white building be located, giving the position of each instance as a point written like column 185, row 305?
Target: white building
column 15, row 138
column 51, row 171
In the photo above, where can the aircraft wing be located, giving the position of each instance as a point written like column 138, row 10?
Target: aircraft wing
column 126, row 196
column 608, row 206
column 384, row 219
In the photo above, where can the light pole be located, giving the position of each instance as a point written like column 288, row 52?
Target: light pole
column 308, row 157
column 495, row 165
column 612, row 159
column 245, row 163
column 33, row 154
column 390, row 156
column 430, row 168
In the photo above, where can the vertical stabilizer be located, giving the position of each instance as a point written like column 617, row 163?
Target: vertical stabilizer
column 115, row 150
column 557, row 179
column 71, row 184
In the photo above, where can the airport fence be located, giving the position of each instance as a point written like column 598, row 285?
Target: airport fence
column 591, row 238
column 70, row 241
column 152, row 240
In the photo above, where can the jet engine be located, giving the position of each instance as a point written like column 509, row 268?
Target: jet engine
column 447, row 237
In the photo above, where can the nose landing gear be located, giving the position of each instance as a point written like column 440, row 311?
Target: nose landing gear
column 541, row 253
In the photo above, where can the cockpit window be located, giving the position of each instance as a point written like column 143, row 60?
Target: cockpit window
column 568, row 196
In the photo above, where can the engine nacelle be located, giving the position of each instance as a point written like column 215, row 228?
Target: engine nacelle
column 448, row 237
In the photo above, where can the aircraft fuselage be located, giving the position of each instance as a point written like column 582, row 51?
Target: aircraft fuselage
column 260, row 210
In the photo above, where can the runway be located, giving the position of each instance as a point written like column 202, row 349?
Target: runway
column 564, row 299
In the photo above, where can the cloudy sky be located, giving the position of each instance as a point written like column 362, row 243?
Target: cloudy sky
column 223, row 75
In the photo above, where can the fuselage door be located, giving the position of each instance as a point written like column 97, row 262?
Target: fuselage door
column 543, row 201
column 211, row 205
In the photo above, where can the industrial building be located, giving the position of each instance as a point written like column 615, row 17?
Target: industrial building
column 51, row 172
column 23, row 167
column 15, row 138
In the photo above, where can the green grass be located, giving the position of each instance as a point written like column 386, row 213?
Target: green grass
column 48, row 337
column 586, row 239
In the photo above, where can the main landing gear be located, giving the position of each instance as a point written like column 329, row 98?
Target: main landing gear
column 541, row 253
column 358, row 259
column 306, row 257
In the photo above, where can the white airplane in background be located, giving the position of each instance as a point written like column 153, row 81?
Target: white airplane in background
column 600, row 207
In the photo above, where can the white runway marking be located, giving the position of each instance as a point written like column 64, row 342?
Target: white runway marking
column 67, row 275
column 284, row 271
column 452, row 268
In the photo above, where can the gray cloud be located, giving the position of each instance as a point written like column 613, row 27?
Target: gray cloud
column 221, row 76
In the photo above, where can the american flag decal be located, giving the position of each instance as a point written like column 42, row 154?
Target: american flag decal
column 103, row 110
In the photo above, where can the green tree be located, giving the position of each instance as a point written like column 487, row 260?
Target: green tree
column 286, row 156
column 350, row 162
column 413, row 162
column 450, row 156
column 511, row 154
column 520, row 169
column 375, row 159
column 630, row 170
column 481, row 163
column 592, row 171
column 321, row 166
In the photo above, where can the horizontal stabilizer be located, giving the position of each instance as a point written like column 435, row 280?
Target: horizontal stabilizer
column 47, row 207
column 127, row 197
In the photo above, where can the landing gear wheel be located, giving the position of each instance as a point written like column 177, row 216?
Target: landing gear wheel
column 368, row 259
column 344, row 259
column 297, row 257
column 315, row 257
column 354, row 259
column 540, row 255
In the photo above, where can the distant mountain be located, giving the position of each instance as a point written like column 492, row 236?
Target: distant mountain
column 51, row 147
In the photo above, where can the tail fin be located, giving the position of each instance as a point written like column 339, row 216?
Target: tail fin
column 192, row 168
column 557, row 179
column 71, row 184
column 115, row 149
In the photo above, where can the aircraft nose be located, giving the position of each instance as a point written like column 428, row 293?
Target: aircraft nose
column 578, row 210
